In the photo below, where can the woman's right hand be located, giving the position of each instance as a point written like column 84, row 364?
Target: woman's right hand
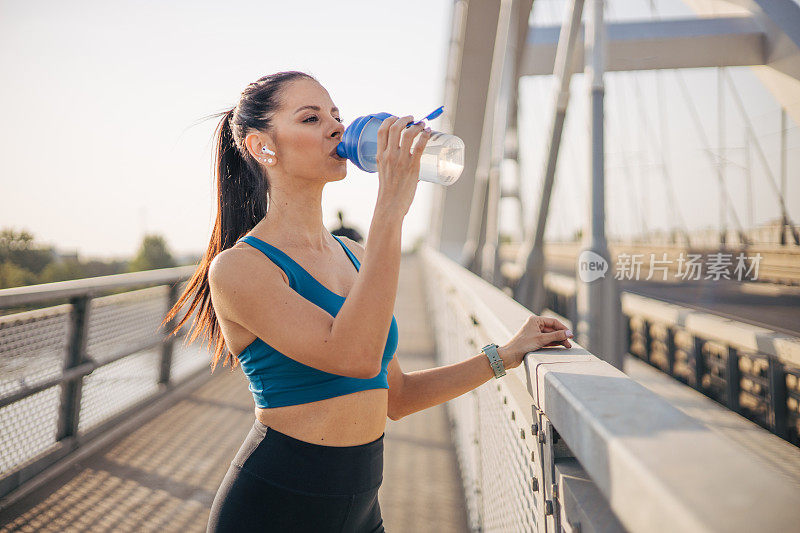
column 398, row 167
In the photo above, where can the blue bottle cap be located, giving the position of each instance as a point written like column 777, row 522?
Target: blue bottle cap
column 348, row 148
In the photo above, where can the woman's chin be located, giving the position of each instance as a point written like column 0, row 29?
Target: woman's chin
column 340, row 173
column 336, row 175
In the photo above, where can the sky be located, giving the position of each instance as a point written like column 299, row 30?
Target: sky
column 102, row 139
column 641, row 165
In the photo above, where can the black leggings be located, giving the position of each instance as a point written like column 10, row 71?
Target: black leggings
column 279, row 483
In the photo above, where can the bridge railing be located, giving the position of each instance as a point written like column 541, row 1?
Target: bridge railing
column 568, row 441
column 71, row 372
column 752, row 370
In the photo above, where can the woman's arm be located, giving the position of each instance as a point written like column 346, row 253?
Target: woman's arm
column 414, row 391
column 425, row 388
column 365, row 317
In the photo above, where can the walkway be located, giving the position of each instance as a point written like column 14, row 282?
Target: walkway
column 163, row 476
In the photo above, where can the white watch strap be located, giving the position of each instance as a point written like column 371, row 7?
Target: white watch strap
column 494, row 360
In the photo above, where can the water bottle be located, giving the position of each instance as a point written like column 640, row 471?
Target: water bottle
column 442, row 160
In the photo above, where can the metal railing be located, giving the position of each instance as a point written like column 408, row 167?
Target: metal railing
column 751, row 370
column 71, row 372
column 566, row 442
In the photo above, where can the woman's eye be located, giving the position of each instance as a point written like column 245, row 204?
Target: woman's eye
column 315, row 118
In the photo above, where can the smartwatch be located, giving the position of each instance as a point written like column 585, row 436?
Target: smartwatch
column 494, row 360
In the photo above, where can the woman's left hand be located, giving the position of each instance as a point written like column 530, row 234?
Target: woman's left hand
column 537, row 332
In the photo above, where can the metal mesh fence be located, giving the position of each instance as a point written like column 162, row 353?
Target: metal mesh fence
column 496, row 465
column 125, row 319
column 506, row 468
column 462, row 411
column 34, row 348
column 112, row 388
column 187, row 360
column 28, row 428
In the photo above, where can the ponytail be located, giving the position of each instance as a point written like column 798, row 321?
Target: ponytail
column 242, row 197
column 242, row 188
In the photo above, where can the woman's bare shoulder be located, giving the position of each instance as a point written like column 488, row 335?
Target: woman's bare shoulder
column 357, row 249
column 242, row 258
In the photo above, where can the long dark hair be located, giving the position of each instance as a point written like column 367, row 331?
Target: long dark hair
column 242, row 195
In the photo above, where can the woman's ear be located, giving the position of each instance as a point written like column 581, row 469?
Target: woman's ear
column 259, row 145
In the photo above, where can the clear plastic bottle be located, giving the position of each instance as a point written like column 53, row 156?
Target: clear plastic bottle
column 442, row 160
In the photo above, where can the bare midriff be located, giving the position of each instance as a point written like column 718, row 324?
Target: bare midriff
column 348, row 420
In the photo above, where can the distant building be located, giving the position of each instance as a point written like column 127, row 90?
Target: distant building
column 65, row 256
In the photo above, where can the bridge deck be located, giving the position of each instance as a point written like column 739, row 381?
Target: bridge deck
column 163, row 476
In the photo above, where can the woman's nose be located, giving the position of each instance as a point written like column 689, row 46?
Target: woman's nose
column 338, row 130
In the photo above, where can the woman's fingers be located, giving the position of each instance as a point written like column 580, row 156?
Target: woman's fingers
column 408, row 137
column 552, row 323
column 564, row 343
column 419, row 148
column 395, row 130
column 383, row 134
column 554, row 338
column 548, row 329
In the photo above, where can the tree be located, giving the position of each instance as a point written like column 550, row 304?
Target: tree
column 153, row 253
column 62, row 271
column 18, row 248
column 12, row 275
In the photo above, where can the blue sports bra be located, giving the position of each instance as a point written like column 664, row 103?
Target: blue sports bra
column 277, row 380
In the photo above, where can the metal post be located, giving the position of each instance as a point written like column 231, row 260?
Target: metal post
column 628, row 332
column 698, row 362
column 71, row 390
column 784, row 218
column 749, row 173
column 598, row 298
column 167, row 345
column 530, row 288
column 732, row 379
column 482, row 195
column 488, row 252
column 505, row 45
column 669, row 346
column 459, row 17
column 777, row 398
column 647, row 340
column 723, row 230
column 511, row 33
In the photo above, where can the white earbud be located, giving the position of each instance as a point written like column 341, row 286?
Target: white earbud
column 264, row 149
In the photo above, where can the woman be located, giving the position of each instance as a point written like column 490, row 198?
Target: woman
column 308, row 321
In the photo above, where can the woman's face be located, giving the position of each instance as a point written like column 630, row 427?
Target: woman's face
column 306, row 131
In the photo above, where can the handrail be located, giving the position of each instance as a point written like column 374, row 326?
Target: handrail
column 657, row 468
column 31, row 294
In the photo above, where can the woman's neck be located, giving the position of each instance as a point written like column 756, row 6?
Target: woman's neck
column 295, row 218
